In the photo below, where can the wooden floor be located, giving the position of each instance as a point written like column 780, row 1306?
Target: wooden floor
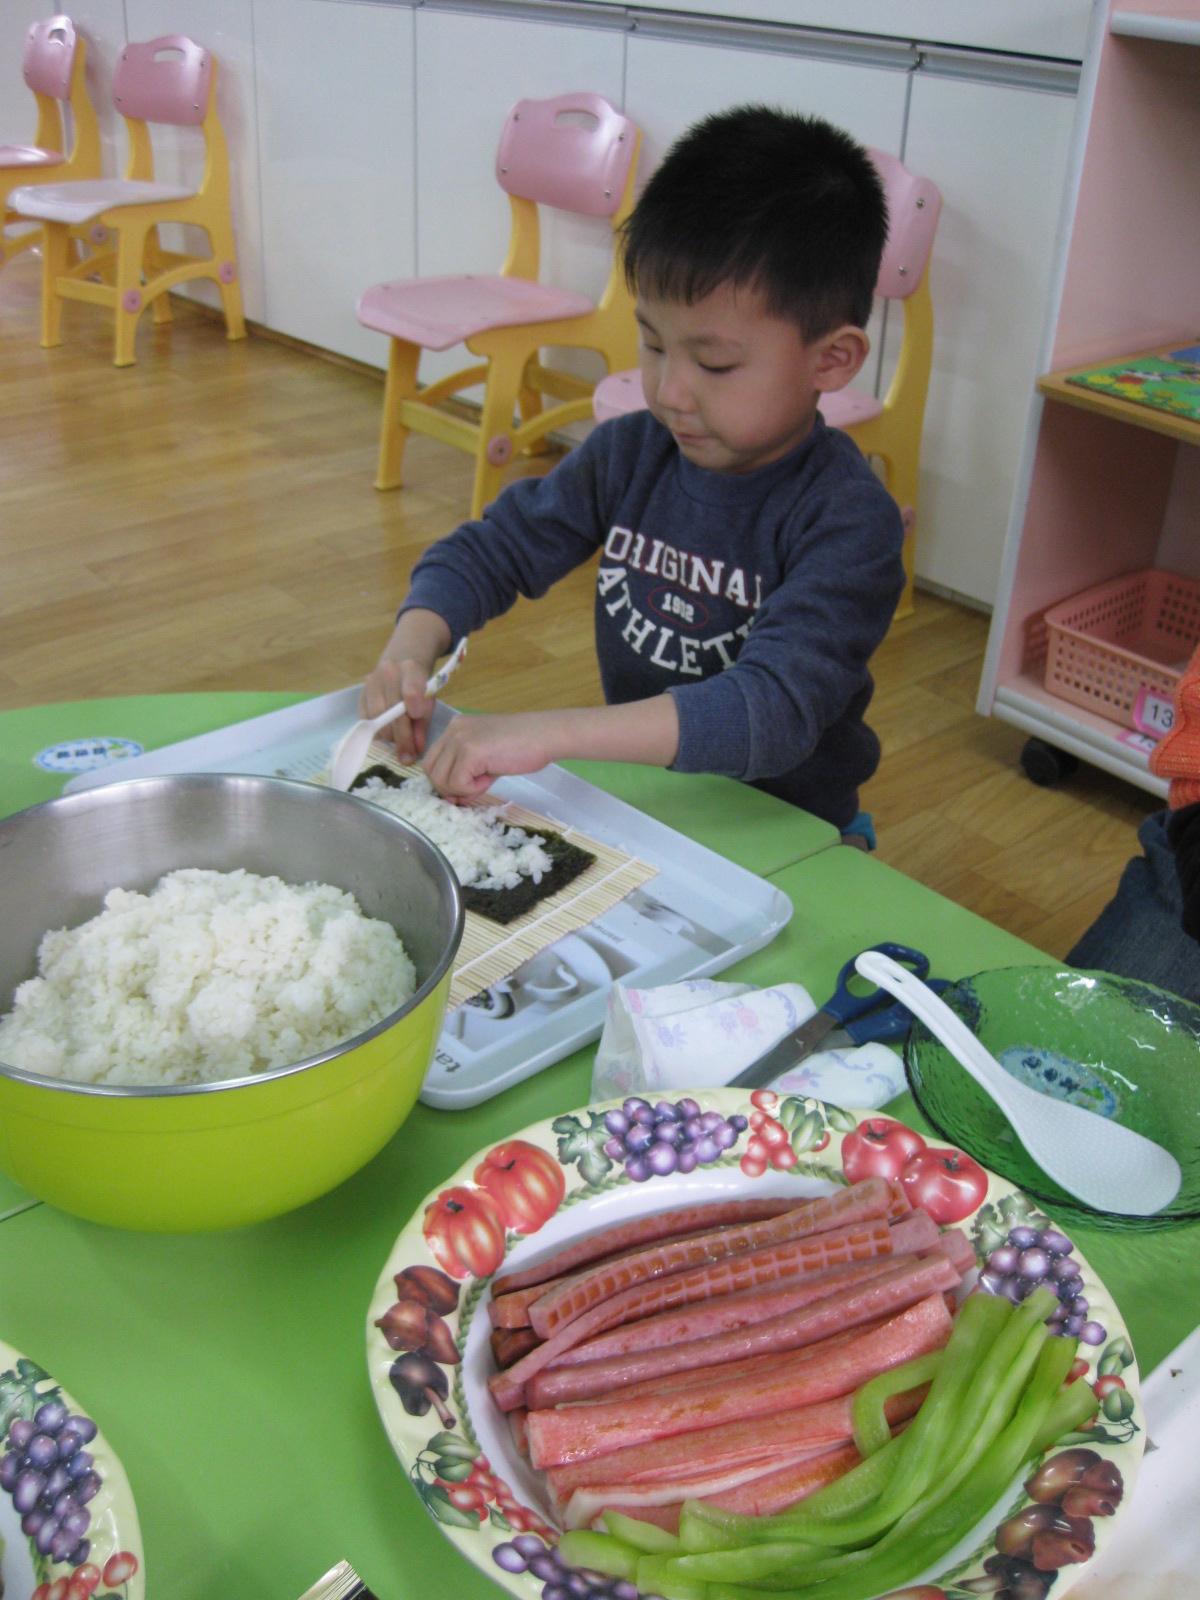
column 205, row 520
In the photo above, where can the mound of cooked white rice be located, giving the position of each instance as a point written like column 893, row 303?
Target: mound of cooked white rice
column 211, row 975
column 485, row 852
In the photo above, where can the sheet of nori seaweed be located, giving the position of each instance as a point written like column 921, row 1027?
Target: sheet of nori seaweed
column 506, row 905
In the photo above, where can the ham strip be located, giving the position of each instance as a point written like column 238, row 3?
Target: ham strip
column 737, row 1310
column 775, row 1491
column 861, row 1202
column 510, row 1344
column 788, row 1260
column 641, row 1231
column 573, row 1433
column 901, row 1287
column 759, row 1441
column 588, row 1502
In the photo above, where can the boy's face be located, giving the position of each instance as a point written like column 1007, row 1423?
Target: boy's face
column 736, row 386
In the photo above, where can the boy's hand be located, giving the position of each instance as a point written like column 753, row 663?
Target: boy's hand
column 403, row 670
column 475, row 751
column 391, row 682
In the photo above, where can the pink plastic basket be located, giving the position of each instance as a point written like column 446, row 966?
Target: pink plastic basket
column 1105, row 644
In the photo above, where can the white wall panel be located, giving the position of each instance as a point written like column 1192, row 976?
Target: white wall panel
column 463, row 216
column 335, row 103
column 999, row 157
column 226, row 28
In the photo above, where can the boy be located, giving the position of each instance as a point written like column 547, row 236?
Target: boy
column 751, row 559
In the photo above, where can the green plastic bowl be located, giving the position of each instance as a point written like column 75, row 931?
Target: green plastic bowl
column 1125, row 1049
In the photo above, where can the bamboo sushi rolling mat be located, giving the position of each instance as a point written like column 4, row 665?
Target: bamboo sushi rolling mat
column 490, row 951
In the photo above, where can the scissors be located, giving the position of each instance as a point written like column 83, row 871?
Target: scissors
column 865, row 1017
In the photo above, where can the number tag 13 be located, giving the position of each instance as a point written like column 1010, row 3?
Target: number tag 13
column 1152, row 714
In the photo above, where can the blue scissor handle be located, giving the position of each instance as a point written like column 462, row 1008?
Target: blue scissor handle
column 890, row 1021
column 846, row 1006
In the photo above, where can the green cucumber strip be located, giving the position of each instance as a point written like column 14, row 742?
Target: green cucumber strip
column 644, row 1536
column 871, row 1430
column 653, row 1577
column 748, row 1565
column 1070, row 1409
column 599, row 1552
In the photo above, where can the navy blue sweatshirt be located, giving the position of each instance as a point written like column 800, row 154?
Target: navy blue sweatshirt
column 755, row 599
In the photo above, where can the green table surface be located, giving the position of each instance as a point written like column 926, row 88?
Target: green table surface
column 228, row 1370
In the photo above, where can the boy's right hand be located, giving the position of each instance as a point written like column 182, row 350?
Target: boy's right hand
column 420, row 637
column 391, row 682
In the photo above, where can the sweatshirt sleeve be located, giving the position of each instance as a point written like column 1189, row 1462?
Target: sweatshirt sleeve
column 805, row 656
column 537, row 531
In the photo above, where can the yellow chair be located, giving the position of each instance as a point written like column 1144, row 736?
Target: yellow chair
column 54, row 70
column 574, row 153
column 171, row 80
column 889, row 428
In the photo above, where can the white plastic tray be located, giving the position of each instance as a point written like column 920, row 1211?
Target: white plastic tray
column 698, row 916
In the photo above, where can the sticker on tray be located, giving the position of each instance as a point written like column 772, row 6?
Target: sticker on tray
column 1138, row 741
column 85, row 755
column 1152, row 714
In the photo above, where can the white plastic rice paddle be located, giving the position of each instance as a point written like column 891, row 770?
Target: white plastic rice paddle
column 1107, row 1166
column 353, row 746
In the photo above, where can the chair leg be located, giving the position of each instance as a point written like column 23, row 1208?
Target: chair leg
column 495, row 427
column 153, row 266
column 131, row 253
column 401, row 385
column 56, row 251
column 529, row 405
column 220, row 237
column 902, row 481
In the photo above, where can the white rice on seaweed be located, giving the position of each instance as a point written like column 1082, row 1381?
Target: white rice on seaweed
column 485, row 852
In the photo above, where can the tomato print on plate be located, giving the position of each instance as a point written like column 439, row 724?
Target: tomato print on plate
column 430, row 1339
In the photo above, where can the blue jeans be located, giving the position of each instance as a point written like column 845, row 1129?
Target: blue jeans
column 1138, row 934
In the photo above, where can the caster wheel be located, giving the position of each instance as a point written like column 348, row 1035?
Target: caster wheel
column 1044, row 764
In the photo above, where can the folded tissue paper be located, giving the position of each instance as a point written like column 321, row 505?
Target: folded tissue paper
column 700, row 1034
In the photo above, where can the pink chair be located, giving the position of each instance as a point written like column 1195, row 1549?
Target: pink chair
column 169, row 81
column 54, row 69
column 572, row 153
column 889, row 428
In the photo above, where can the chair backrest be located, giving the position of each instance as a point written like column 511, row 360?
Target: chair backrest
column 572, row 152
column 50, row 57
column 164, row 80
column 914, row 205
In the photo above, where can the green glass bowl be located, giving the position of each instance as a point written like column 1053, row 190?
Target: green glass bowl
column 1122, row 1048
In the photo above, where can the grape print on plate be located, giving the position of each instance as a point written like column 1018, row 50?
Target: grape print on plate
column 66, row 1511
column 429, row 1333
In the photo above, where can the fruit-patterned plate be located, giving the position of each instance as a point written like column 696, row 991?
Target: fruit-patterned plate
column 428, row 1329
column 68, row 1526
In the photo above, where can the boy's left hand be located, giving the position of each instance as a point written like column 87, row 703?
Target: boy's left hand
column 476, row 750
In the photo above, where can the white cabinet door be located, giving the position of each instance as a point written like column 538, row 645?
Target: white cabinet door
column 226, row 28
column 471, row 70
column 336, row 150
column 1026, row 27
column 998, row 154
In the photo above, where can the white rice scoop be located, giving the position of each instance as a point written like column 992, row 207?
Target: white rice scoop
column 353, row 746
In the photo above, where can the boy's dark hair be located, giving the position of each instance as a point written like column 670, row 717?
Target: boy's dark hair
column 763, row 198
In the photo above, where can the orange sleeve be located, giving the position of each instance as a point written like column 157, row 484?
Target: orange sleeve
column 1178, row 756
